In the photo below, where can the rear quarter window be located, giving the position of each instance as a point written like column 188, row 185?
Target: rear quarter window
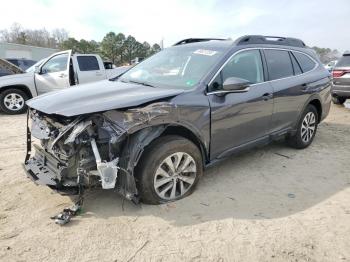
column 279, row 64
column 88, row 63
column 306, row 63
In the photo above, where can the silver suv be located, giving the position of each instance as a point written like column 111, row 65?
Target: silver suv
column 341, row 80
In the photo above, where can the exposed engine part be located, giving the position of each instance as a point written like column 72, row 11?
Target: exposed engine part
column 39, row 128
column 101, row 149
column 77, row 130
column 107, row 170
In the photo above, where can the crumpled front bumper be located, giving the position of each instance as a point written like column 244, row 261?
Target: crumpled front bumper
column 44, row 169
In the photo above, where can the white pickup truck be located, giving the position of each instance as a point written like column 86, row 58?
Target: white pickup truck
column 59, row 71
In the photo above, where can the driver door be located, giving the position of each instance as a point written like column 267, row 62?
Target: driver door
column 54, row 73
column 240, row 119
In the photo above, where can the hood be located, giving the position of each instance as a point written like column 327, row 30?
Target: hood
column 15, row 76
column 99, row 96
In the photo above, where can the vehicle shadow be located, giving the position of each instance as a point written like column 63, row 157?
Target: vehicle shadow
column 266, row 183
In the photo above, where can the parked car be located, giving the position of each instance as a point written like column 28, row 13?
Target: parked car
column 331, row 65
column 341, row 80
column 22, row 63
column 149, row 133
column 59, row 71
column 7, row 68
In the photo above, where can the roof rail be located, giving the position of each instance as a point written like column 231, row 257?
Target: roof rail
column 272, row 40
column 195, row 40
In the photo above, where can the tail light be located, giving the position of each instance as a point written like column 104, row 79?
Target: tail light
column 339, row 73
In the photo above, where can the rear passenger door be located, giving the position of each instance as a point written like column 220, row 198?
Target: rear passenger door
column 285, row 76
column 88, row 68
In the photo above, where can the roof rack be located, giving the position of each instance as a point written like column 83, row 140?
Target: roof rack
column 195, row 40
column 272, row 40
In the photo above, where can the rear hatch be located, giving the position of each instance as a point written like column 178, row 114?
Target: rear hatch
column 341, row 71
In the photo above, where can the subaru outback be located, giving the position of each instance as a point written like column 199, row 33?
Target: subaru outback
column 149, row 133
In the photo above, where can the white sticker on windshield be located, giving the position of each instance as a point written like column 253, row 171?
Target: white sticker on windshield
column 205, row 52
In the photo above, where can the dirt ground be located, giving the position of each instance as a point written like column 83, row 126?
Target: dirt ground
column 269, row 204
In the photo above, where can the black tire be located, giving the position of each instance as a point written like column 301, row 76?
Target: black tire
column 297, row 141
column 153, row 157
column 338, row 100
column 19, row 94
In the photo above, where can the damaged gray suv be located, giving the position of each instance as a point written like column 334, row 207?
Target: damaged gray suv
column 149, row 133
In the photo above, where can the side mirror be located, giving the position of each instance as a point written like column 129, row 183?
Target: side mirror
column 37, row 70
column 235, row 84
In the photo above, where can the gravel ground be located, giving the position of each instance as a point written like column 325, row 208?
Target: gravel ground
column 269, row 204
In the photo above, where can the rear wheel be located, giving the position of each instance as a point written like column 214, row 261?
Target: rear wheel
column 169, row 170
column 12, row 101
column 338, row 100
column 307, row 128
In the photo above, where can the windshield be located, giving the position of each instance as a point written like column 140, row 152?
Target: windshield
column 181, row 67
column 32, row 68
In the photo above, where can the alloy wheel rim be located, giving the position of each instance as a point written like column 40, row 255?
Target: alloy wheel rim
column 14, row 101
column 175, row 176
column 308, row 127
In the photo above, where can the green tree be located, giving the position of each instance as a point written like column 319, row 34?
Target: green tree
column 155, row 49
column 70, row 43
column 87, row 47
column 144, row 50
column 131, row 48
column 326, row 54
column 111, row 46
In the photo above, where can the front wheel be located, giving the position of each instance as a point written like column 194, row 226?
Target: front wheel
column 12, row 101
column 307, row 128
column 169, row 170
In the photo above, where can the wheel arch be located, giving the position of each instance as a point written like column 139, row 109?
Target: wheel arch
column 174, row 129
column 23, row 88
column 317, row 103
column 187, row 133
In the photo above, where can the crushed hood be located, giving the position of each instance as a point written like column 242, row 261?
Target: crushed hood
column 99, row 96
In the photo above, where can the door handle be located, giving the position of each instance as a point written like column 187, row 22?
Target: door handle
column 267, row 96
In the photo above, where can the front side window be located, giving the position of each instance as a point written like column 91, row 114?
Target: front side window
column 88, row 63
column 57, row 63
column 246, row 65
column 279, row 64
column 178, row 67
column 306, row 63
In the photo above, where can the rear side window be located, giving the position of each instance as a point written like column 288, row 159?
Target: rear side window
column 305, row 62
column 88, row 63
column 344, row 61
column 297, row 69
column 279, row 64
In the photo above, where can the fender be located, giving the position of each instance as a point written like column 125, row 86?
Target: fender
column 314, row 96
column 25, row 80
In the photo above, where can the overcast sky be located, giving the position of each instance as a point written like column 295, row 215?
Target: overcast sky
column 324, row 23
